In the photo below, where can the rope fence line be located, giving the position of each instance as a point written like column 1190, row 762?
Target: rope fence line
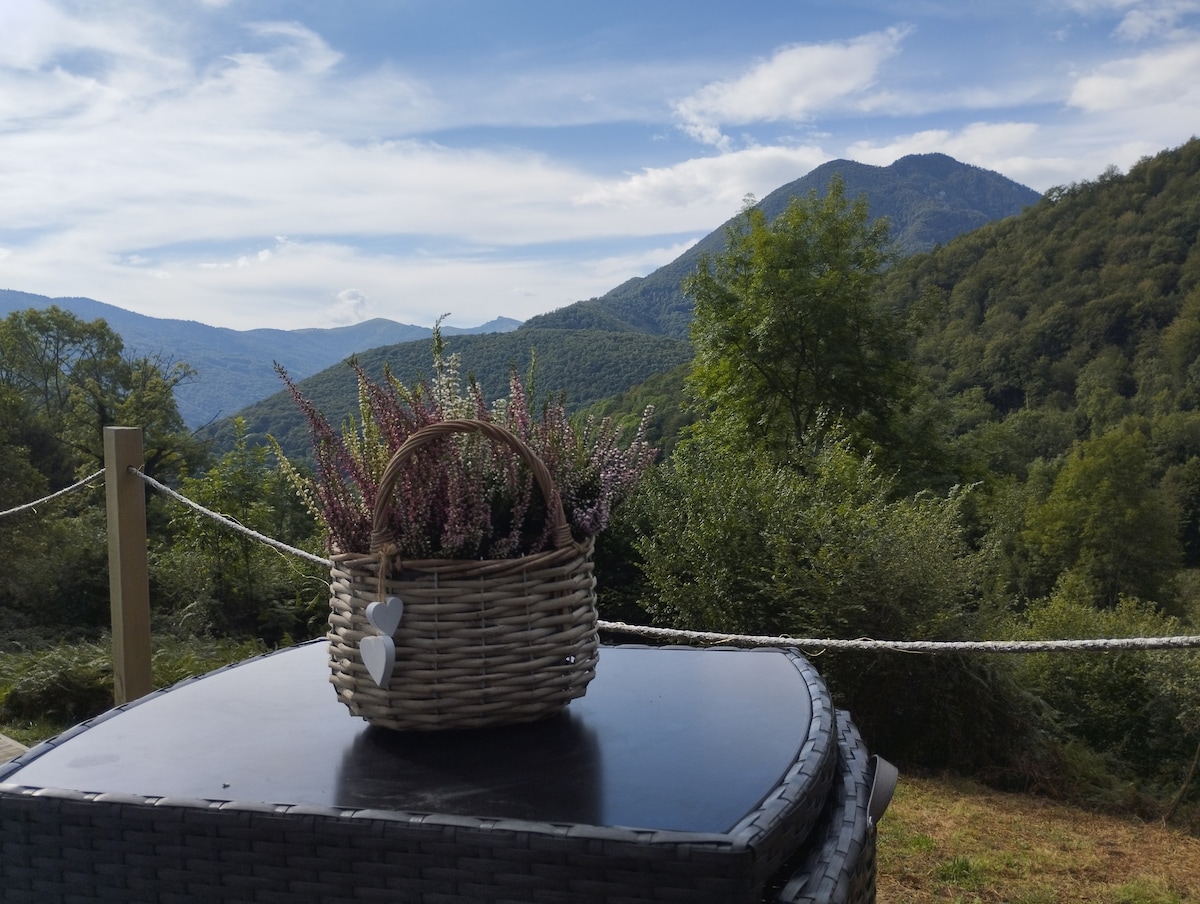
column 712, row 637
column 1173, row 642
column 78, row 485
column 229, row 522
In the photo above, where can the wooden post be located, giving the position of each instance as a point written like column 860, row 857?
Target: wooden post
column 128, row 573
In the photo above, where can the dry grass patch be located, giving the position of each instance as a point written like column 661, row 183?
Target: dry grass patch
column 956, row 841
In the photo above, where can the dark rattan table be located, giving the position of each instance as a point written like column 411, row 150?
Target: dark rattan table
column 682, row 775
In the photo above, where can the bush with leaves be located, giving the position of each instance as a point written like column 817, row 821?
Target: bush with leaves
column 1139, row 710
column 734, row 543
column 214, row 580
column 1105, row 518
column 730, row 542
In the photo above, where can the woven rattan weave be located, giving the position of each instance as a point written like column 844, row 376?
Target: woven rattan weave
column 837, row 862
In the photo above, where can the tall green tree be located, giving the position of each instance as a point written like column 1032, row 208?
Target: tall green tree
column 21, row 536
column 1107, row 521
column 75, row 379
column 62, row 382
column 19, row 481
column 786, row 327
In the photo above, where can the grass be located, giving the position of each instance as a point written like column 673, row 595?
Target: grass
column 949, row 840
column 31, row 731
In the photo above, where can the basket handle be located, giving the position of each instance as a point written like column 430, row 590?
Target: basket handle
column 382, row 537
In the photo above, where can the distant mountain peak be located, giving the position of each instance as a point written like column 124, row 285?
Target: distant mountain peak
column 928, row 199
column 236, row 367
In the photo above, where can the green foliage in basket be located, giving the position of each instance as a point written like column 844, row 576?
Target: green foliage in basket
column 461, row 496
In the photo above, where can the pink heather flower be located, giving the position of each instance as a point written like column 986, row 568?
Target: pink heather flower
column 462, row 497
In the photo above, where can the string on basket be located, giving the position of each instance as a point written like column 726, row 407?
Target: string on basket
column 386, row 553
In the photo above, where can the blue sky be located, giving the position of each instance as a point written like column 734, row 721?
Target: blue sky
column 310, row 163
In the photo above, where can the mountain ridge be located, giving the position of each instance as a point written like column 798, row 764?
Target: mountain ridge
column 928, row 198
column 585, row 366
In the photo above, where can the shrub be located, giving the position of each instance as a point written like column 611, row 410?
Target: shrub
column 1140, row 710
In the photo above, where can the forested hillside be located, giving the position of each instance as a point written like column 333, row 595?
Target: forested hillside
column 927, row 199
column 1100, row 275
column 1037, row 335
column 585, row 365
column 1016, row 453
column 1071, row 335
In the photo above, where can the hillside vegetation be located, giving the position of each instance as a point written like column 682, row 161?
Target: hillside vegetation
column 597, row 349
column 584, row 365
column 232, row 368
column 1064, row 344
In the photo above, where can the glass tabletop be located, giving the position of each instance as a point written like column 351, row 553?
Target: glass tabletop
column 678, row 739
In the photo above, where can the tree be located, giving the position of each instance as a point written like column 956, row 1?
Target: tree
column 1139, row 709
column 19, row 481
column 786, row 328
column 20, row 535
column 733, row 542
column 223, row 582
column 75, row 379
column 62, row 381
column 1106, row 520
column 39, row 350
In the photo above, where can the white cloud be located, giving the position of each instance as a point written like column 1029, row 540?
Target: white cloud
column 306, row 286
column 300, row 49
column 796, row 82
column 37, row 32
column 1140, row 24
column 1010, row 148
column 156, row 161
column 965, row 98
column 712, row 183
column 1140, row 19
column 978, row 143
column 616, row 269
column 1166, row 75
column 351, row 307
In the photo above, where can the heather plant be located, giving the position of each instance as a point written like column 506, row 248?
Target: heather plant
column 461, row 496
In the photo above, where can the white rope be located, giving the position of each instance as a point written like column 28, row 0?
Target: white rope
column 229, row 522
column 909, row 646
column 71, row 489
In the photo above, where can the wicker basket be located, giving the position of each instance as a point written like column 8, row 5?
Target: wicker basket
column 480, row 642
